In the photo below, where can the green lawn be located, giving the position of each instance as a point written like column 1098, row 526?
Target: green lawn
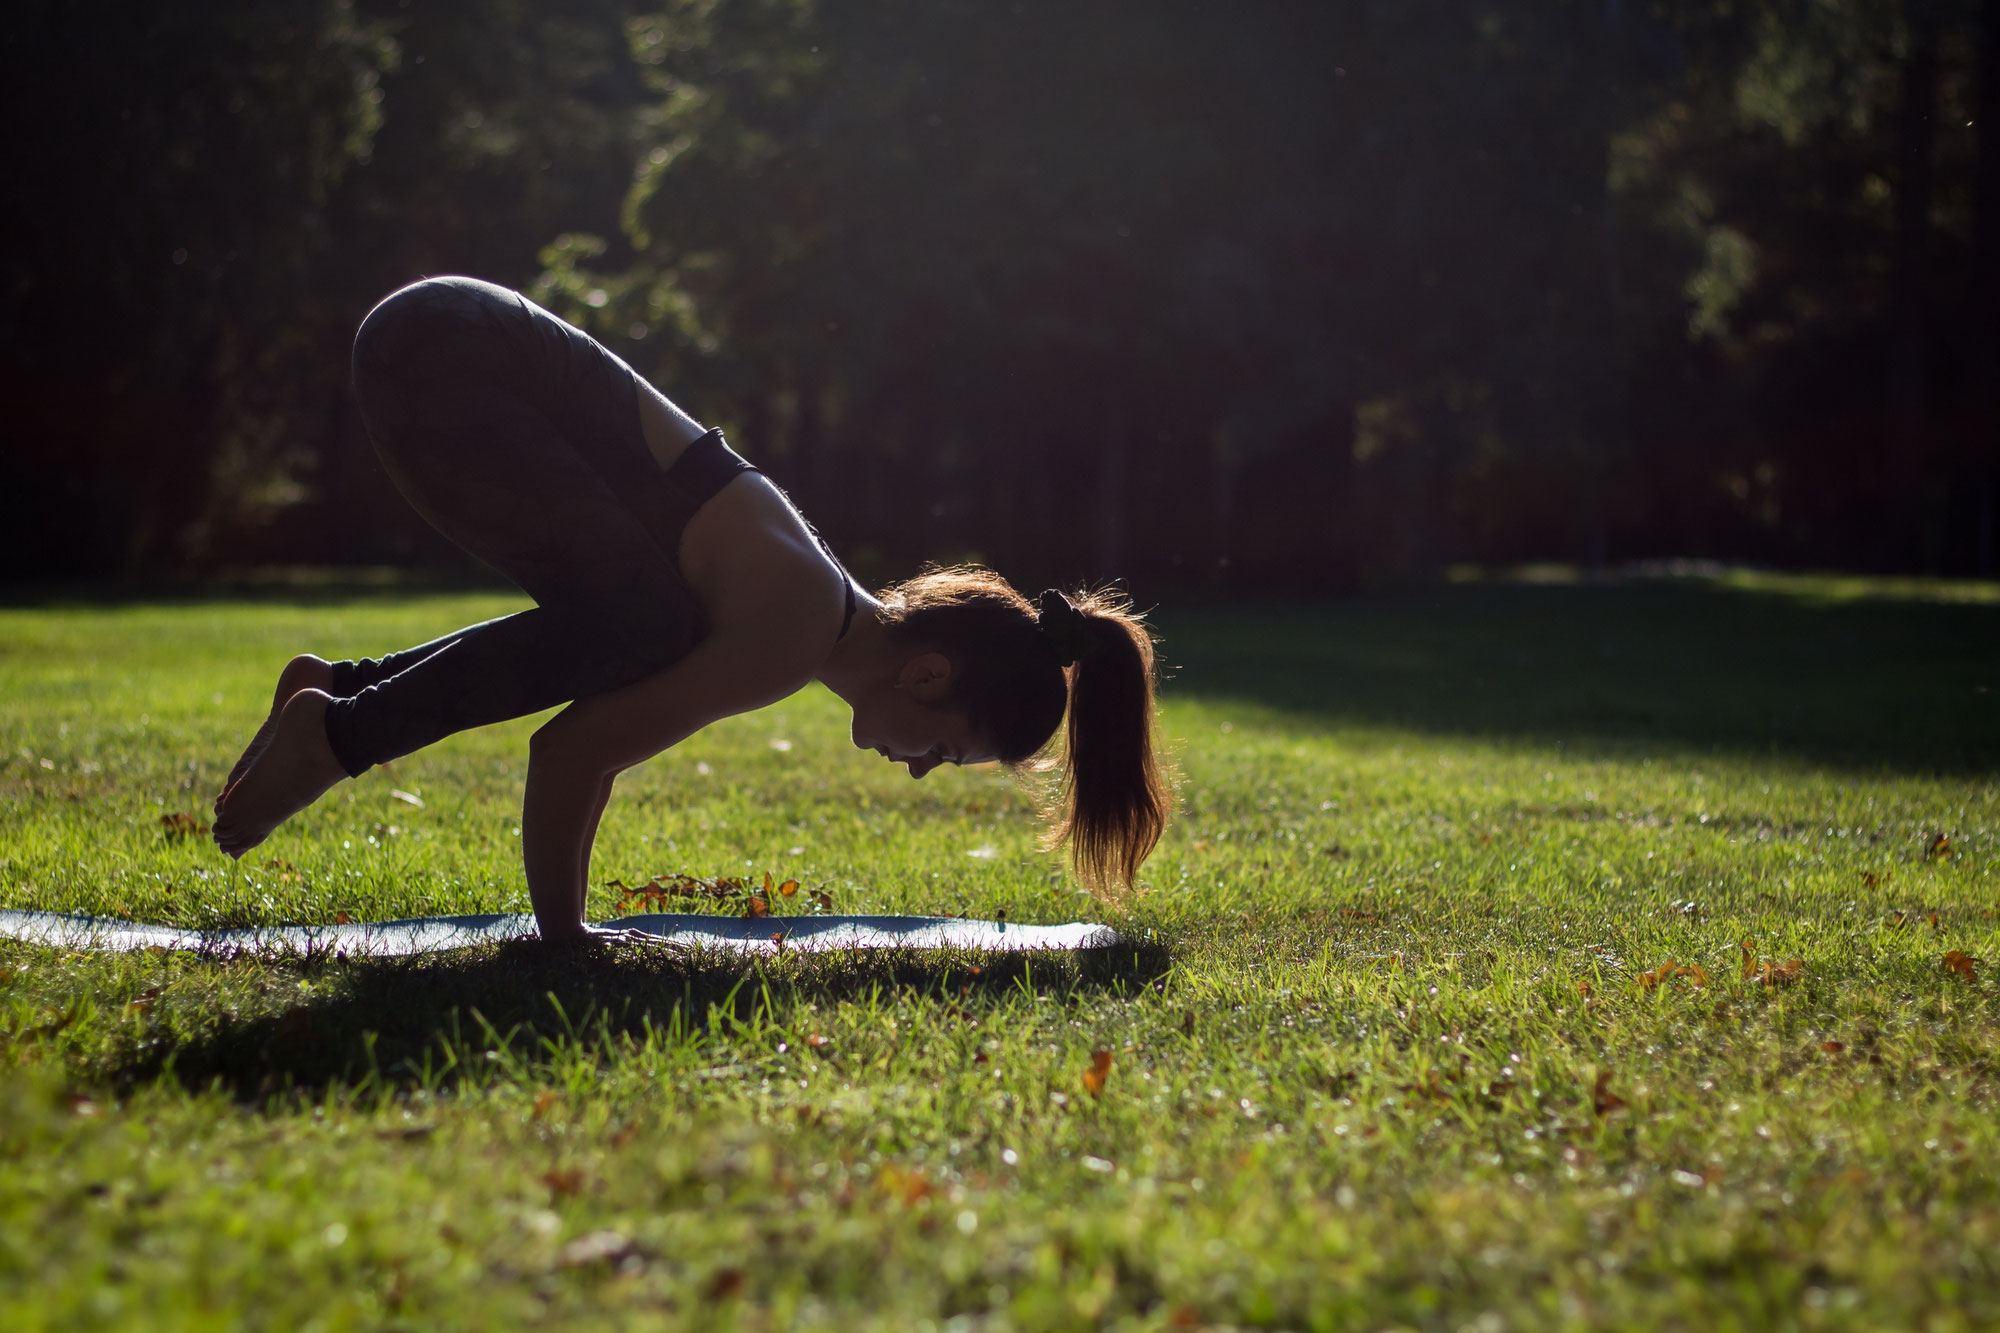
column 1385, row 1052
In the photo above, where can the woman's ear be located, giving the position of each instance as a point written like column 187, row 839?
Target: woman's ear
column 925, row 677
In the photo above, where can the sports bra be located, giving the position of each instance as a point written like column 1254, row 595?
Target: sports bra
column 705, row 467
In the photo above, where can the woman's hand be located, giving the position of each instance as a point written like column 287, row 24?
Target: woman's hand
column 574, row 758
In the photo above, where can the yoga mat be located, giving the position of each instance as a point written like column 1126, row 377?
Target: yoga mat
column 431, row 933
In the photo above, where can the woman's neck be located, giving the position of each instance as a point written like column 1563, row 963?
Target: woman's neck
column 861, row 658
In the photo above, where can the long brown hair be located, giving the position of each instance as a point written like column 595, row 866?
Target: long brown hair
column 1017, row 668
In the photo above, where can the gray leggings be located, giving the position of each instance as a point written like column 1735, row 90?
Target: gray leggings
column 517, row 436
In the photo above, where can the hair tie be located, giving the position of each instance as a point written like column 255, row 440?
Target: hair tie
column 1064, row 628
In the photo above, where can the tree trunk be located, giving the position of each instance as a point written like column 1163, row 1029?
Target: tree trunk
column 1910, row 460
column 1983, row 395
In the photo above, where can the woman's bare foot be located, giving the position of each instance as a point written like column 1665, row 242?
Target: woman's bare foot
column 304, row 672
column 294, row 770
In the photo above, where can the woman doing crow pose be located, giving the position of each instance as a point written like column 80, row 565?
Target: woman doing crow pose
column 674, row 585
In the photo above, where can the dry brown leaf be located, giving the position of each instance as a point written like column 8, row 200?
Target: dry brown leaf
column 726, row 1283
column 1099, row 1073
column 758, row 907
column 343, row 919
column 545, row 1101
column 1833, row 1047
column 822, row 900
column 789, row 888
column 563, row 1181
column 179, row 825
column 1783, row 974
column 1749, row 962
column 1964, row 964
column 819, row 1042
column 1939, row 849
column 1602, row 1099
column 909, row 1187
column 1668, row 970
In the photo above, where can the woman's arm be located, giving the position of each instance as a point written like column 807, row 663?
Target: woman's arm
column 573, row 758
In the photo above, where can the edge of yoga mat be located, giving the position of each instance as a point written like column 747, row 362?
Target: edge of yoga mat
column 430, row 934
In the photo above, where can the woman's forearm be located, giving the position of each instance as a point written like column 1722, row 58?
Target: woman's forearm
column 589, row 841
column 559, row 813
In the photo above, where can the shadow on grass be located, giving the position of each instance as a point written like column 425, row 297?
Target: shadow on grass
column 1865, row 682
column 417, row 1021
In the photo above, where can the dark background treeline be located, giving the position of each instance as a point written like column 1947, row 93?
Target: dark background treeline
column 1219, row 295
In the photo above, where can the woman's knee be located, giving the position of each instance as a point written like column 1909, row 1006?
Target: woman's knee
column 408, row 319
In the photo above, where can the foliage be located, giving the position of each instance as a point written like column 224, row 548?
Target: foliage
column 1385, row 1054
column 1293, row 293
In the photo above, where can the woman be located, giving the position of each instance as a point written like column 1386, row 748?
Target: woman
column 674, row 585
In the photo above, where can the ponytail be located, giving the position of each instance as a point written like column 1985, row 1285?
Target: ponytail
column 1114, row 799
column 1018, row 666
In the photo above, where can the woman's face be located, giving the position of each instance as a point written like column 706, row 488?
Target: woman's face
column 900, row 722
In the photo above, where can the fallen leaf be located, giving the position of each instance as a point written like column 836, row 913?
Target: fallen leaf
column 819, row 1042
column 179, row 825
column 1749, row 962
column 789, row 888
column 1602, row 1098
column 910, row 1187
column 726, row 1283
column 296, row 1026
column 1933, row 920
column 822, row 900
column 1667, row 971
column 1833, row 1047
column 1782, row 974
column 545, row 1101
column 1583, row 989
column 342, row 919
column 758, row 906
column 1939, row 849
column 1099, row 1073
column 1964, row 964
column 144, row 998
column 563, row 1181
column 1871, row 879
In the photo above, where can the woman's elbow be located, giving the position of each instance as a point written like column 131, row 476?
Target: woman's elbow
column 555, row 750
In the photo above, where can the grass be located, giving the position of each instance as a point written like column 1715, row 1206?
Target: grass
column 1384, row 1052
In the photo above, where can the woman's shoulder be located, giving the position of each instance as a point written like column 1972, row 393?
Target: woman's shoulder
column 762, row 573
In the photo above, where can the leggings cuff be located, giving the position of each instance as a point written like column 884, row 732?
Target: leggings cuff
column 339, row 719
column 342, row 684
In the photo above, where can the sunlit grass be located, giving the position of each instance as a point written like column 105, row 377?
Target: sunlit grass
column 1382, row 1054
